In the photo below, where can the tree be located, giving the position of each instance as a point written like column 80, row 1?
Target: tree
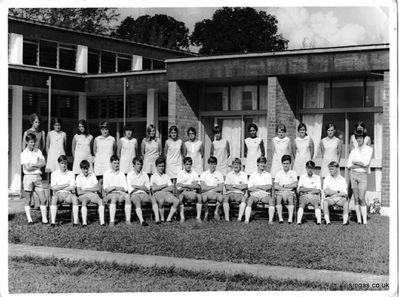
column 91, row 20
column 160, row 29
column 238, row 30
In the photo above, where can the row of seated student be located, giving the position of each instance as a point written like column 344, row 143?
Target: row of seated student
column 98, row 150
column 210, row 186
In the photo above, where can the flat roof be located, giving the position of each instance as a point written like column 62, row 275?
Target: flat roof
column 322, row 50
column 23, row 20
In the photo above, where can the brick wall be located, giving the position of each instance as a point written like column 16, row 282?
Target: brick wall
column 385, row 181
column 280, row 109
column 183, row 106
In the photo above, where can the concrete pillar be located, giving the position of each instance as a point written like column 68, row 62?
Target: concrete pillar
column 152, row 107
column 82, row 114
column 81, row 58
column 172, row 120
column 16, row 139
column 137, row 63
column 16, row 48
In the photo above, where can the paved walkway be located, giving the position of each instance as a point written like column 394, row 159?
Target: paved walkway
column 263, row 271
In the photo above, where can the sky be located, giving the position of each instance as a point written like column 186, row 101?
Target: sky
column 302, row 26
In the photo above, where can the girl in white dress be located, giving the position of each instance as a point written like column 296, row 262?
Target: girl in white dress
column 82, row 144
column 195, row 150
column 127, row 150
column 253, row 149
column 302, row 149
column 151, row 149
column 174, row 152
column 281, row 145
column 103, row 148
column 220, row 148
column 331, row 148
column 55, row 145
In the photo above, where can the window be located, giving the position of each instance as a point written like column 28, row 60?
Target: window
column 162, row 104
column 30, row 50
column 156, row 64
column 93, row 61
column 67, row 57
column 244, row 98
column 136, row 105
column 48, row 54
column 124, row 62
column 147, row 64
column 108, row 60
column 215, row 97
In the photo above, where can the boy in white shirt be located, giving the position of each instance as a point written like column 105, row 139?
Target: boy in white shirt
column 358, row 162
column 259, row 186
column 334, row 188
column 115, row 191
column 285, row 182
column 88, row 190
column 212, row 187
column 309, row 189
column 138, row 186
column 63, row 186
column 32, row 160
column 187, row 188
column 162, row 189
column 236, row 184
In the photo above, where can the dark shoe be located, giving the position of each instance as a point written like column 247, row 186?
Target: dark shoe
column 158, row 223
column 84, row 225
column 30, row 223
column 44, row 223
column 75, row 225
column 318, row 223
column 52, row 225
column 289, row 223
column 281, row 222
column 345, row 224
column 144, row 224
column 102, row 225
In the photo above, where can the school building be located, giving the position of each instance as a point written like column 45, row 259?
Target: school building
column 56, row 71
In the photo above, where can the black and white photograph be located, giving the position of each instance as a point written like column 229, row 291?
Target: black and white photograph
column 221, row 148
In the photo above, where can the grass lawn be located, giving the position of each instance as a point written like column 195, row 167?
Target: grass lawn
column 37, row 275
column 357, row 248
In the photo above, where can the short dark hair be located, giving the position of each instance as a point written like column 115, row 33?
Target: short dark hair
column 30, row 136
column 236, row 161
column 252, row 125
column 302, row 125
column 281, row 127
column 128, row 128
column 62, row 158
column 33, row 117
column 187, row 159
column 212, row 160
column 261, row 159
column 359, row 133
column 331, row 125
column 310, row 164
column 104, row 125
column 114, row 158
column 84, row 164
column 191, row 129
column 160, row 160
column 138, row 159
column 285, row 158
column 216, row 129
column 333, row 164
column 56, row 120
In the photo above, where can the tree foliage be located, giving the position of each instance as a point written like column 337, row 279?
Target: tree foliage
column 92, row 20
column 238, row 30
column 160, row 29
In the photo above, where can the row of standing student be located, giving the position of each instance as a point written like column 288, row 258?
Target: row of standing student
column 85, row 146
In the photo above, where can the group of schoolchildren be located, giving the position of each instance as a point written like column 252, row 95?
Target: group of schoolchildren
column 122, row 174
